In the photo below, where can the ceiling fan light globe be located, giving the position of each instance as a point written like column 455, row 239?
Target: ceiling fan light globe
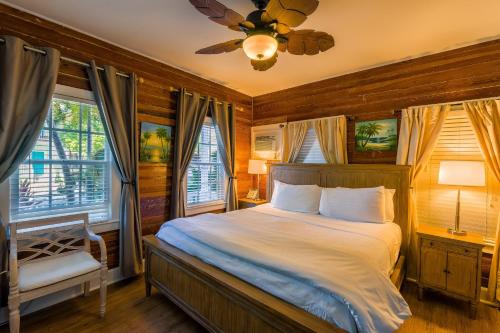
column 260, row 46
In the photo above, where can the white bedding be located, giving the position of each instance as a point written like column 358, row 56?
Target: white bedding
column 389, row 235
column 337, row 270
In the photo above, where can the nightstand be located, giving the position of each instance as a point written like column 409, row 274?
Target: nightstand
column 249, row 203
column 450, row 264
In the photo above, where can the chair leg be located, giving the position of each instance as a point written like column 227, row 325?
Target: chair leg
column 14, row 321
column 102, row 292
column 86, row 288
column 14, row 314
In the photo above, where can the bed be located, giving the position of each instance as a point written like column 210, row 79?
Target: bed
column 233, row 298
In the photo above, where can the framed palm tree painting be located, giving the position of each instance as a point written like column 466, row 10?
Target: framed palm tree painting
column 155, row 143
column 377, row 135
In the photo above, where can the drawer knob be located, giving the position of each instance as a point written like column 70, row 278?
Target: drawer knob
column 431, row 243
column 466, row 251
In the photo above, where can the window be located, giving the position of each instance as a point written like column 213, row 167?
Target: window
column 310, row 152
column 436, row 203
column 206, row 177
column 69, row 168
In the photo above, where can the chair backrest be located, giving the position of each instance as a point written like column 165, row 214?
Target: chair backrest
column 39, row 239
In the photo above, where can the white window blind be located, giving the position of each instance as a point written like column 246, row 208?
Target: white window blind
column 436, row 203
column 206, row 177
column 310, row 152
column 68, row 169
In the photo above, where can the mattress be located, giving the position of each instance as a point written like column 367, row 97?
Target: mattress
column 303, row 259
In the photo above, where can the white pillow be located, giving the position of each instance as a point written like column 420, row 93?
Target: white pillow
column 354, row 204
column 389, row 204
column 296, row 198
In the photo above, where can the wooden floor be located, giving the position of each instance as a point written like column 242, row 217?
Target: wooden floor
column 129, row 311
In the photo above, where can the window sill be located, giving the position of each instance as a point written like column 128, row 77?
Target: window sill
column 104, row 226
column 204, row 208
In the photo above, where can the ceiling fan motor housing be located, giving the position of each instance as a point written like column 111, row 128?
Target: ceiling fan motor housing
column 256, row 18
column 261, row 4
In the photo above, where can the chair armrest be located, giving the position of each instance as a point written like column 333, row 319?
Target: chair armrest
column 102, row 245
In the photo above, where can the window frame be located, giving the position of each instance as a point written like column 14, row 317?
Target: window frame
column 107, row 224
column 203, row 207
column 430, row 194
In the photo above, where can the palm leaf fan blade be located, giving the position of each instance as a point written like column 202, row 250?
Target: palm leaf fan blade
column 291, row 12
column 307, row 7
column 308, row 42
column 225, row 47
column 218, row 13
column 229, row 19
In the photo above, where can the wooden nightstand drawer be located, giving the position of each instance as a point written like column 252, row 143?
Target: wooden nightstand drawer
column 462, row 250
column 433, row 244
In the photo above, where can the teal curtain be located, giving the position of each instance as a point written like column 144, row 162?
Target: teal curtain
column 223, row 118
column 27, row 82
column 191, row 112
column 116, row 98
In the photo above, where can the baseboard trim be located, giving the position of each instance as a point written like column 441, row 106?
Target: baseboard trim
column 114, row 275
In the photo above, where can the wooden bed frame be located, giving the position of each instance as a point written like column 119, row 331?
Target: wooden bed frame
column 222, row 302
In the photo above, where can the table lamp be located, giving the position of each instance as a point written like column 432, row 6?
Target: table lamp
column 461, row 173
column 257, row 167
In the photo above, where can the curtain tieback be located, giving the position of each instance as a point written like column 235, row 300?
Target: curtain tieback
column 233, row 178
column 128, row 183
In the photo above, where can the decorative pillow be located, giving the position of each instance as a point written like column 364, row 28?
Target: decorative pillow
column 389, row 204
column 296, row 198
column 354, row 204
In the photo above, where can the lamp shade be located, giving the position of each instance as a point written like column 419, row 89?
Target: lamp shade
column 257, row 167
column 260, row 46
column 462, row 173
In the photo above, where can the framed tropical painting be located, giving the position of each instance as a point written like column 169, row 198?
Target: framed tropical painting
column 376, row 135
column 267, row 142
column 155, row 143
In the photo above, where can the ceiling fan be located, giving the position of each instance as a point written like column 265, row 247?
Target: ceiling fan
column 267, row 29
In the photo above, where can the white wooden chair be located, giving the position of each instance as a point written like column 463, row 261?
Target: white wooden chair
column 51, row 254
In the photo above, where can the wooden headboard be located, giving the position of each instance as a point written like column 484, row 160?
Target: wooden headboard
column 353, row 176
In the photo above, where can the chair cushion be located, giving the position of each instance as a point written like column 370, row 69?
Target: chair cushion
column 45, row 272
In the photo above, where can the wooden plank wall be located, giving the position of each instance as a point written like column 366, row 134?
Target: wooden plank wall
column 467, row 73
column 156, row 102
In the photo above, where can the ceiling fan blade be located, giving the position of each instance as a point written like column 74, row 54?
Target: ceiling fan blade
column 266, row 18
column 291, row 12
column 308, row 42
column 282, row 45
column 218, row 13
column 247, row 25
column 282, row 28
column 264, row 65
column 225, row 47
column 307, row 7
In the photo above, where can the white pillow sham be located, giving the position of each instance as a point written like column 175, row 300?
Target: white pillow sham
column 296, row 198
column 354, row 204
column 389, row 204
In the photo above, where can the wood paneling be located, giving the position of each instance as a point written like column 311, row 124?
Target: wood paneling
column 156, row 102
column 466, row 73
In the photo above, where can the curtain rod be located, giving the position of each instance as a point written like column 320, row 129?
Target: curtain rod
column 457, row 102
column 77, row 62
column 172, row 89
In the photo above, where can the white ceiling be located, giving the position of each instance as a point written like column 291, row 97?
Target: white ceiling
column 368, row 33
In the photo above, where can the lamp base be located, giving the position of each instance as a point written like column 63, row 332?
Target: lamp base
column 457, row 232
